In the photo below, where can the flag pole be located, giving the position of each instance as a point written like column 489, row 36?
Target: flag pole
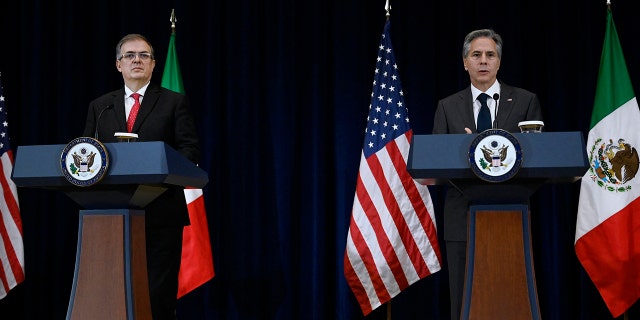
column 173, row 21
column 196, row 263
column 387, row 8
column 625, row 315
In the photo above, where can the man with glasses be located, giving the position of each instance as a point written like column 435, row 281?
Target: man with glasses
column 155, row 114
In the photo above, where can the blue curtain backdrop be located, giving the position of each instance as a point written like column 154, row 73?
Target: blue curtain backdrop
column 281, row 92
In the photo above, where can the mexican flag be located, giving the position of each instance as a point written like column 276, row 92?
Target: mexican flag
column 196, row 265
column 607, row 239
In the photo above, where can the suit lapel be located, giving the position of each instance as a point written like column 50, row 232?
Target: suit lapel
column 148, row 103
column 121, row 118
column 466, row 109
column 505, row 104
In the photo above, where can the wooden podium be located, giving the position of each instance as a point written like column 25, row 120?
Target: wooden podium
column 110, row 278
column 500, row 279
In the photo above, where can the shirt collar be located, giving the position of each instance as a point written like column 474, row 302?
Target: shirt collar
column 495, row 88
column 128, row 92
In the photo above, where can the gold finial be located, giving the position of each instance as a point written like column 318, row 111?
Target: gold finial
column 173, row 20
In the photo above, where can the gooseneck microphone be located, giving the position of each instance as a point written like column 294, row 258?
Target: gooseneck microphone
column 496, row 96
column 95, row 134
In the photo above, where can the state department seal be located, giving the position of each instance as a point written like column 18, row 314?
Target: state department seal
column 84, row 161
column 495, row 155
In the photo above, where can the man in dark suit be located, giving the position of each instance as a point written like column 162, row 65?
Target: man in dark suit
column 163, row 115
column 458, row 113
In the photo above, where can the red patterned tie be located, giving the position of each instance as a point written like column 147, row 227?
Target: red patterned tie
column 134, row 111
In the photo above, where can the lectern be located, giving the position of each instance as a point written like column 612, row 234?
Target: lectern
column 110, row 278
column 499, row 280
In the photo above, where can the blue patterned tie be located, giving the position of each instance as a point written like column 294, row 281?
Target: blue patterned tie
column 484, row 116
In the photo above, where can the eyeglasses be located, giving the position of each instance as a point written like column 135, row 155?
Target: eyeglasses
column 130, row 56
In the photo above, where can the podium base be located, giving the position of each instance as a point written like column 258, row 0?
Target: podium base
column 500, row 280
column 110, row 279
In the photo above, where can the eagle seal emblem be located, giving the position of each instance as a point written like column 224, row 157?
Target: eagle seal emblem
column 613, row 163
column 84, row 161
column 495, row 155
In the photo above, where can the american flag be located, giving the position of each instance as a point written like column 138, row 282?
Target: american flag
column 392, row 240
column 11, row 248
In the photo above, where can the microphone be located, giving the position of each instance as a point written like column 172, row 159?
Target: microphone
column 95, row 134
column 496, row 96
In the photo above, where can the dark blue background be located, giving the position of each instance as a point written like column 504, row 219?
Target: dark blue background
column 281, row 92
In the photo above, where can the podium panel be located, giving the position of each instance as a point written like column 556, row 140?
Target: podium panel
column 138, row 173
column 550, row 157
column 110, row 279
column 499, row 264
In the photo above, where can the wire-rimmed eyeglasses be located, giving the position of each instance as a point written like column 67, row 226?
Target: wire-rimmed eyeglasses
column 130, row 56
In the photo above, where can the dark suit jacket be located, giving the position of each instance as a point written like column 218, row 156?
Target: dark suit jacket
column 454, row 113
column 164, row 116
